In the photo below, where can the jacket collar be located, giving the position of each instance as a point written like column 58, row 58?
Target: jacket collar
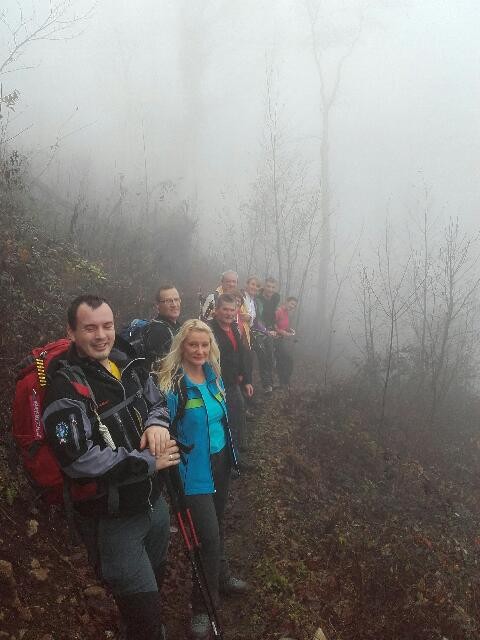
column 209, row 376
column 173, row 324
column 121, row 354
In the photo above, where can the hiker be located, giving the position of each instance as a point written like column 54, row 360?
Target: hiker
column 107, row 422
column 252, row 287
column 244, row 323
column 228, row 284
column 161, row 331
column 243, row 317
column 235, row 369
column 267, row 303
column 283, row 341
column 250, row 292
column 190, row 378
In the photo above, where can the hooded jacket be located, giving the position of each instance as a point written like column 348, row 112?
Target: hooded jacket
column 94, row 426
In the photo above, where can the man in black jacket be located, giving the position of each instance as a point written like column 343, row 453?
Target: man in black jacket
column 160, row 332
column 108, row 425
column 234, row 366
column 267, row 303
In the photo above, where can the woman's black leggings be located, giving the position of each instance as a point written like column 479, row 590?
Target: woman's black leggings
column 207, row 512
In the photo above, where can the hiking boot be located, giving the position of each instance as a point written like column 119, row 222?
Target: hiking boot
column 199, row 626
column 232, row 586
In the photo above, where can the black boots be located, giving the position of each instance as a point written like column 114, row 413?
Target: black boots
column 141, row 615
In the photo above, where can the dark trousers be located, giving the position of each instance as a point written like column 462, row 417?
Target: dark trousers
column 236, row 417
column 284, row 360
column 129, row 554
column 263, row 347
column 207, row 512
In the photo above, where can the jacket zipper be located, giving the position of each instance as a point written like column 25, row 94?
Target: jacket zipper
column 116, row 415
column 150, row 482
column 209, row 442
column 149, row 501
column 74, row 426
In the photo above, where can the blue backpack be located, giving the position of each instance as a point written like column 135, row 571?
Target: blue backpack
column 134, row 333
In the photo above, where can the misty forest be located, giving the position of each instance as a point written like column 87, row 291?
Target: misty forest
column 332, row 145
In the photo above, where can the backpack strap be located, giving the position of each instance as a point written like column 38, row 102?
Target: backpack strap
column 181, row 390
column 77, row 379
column 124, row 403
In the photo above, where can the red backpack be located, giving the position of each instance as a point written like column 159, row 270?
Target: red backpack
column 39, row 461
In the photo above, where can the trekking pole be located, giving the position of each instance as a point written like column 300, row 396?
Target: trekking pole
column 176, row 493
column 201, row 300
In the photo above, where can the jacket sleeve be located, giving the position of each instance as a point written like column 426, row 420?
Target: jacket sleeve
column 158, row 414
column 69, row 431
column 244, row 360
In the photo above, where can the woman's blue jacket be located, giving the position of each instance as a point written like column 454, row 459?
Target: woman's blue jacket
column 193, row 429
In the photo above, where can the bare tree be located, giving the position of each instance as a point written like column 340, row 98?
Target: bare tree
column 340, row 278
column 60, row 22
column 22, row 30
column 328, row 93
column 278, row 231
column 420, row 312
column 458, row 285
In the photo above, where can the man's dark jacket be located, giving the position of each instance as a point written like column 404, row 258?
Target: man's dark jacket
column 158, row 338
column 105, row 451
column 233, row 364
column 266, row 308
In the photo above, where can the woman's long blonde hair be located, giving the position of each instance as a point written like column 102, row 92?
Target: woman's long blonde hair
column 170, row 371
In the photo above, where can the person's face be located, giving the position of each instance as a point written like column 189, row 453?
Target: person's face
column 94, row 334
column 291, row 305
column 252, row 288
column 269, row 289
column 169, row 304
column 196, row 348
column 226, row 313
column 229, row 282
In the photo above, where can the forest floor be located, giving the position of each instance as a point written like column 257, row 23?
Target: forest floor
column 330, row 530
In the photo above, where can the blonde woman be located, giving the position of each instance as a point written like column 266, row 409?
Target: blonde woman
column 190, row 378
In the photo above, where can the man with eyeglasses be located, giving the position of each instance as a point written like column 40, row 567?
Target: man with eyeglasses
column 161, row 331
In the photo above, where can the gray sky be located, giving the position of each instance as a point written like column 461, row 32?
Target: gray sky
column 194, row 74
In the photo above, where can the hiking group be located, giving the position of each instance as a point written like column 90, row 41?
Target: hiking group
column 161, row 403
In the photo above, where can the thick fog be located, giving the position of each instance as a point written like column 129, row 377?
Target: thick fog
column 176, row 91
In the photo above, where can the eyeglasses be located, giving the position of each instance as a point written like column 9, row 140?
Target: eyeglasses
column 170, row 301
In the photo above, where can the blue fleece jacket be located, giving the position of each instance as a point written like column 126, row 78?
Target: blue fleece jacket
column 195, row 428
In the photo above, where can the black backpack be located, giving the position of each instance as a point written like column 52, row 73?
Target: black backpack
column 136, row 332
